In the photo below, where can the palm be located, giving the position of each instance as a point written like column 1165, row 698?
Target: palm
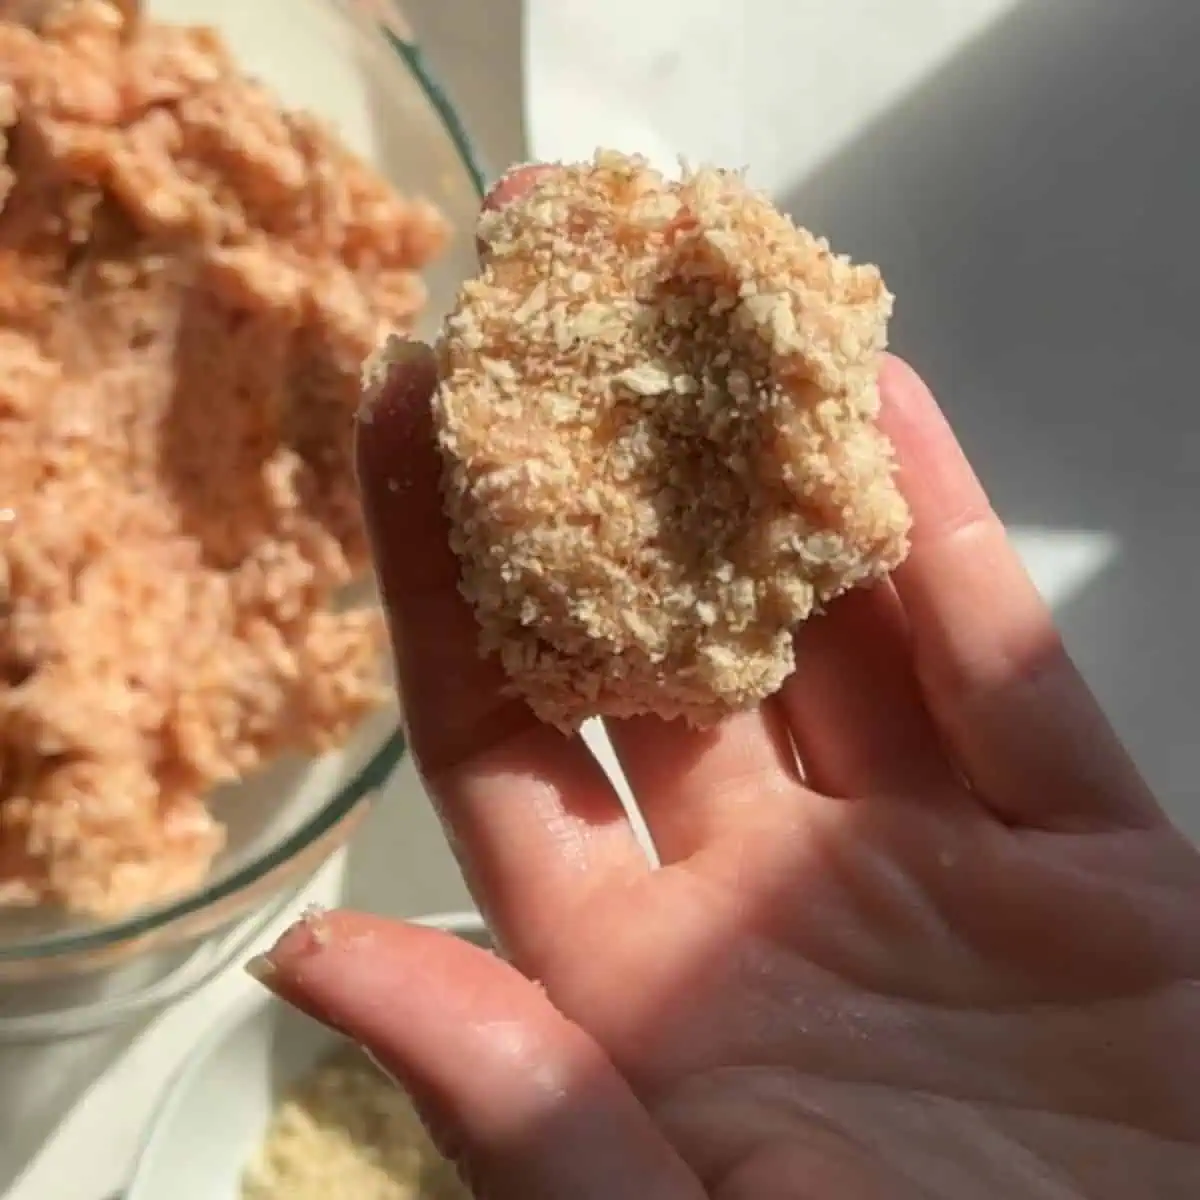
column 825, row 1031
column 952, row 956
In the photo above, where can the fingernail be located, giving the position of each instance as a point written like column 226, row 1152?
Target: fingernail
column 514, row 182
column 302, row 939
column 397, row 361
column 262, row 970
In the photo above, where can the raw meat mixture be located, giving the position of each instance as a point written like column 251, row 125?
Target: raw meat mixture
column 190, row 279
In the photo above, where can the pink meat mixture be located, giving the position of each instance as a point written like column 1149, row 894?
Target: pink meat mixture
column 190, row 280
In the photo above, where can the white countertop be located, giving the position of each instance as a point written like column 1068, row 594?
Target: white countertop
column 1014, row 167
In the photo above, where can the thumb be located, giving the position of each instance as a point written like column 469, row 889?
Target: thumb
column 524, row 1101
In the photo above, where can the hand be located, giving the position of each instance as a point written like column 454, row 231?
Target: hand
column 958, row 959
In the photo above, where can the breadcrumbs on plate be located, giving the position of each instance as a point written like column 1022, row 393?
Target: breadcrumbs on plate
column 190, row 279
column 345, row 1132
column 656, row 413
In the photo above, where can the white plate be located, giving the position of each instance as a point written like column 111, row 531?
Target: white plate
column 215, row 1113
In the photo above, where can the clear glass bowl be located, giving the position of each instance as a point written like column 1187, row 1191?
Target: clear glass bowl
column 352, row 63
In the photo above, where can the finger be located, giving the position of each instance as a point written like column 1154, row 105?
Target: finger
column 1023, row 725
column 854, row 705
column 514, row 183
column 698, row 787
column 533, row 820
column 507, row 189
column 521, row 1098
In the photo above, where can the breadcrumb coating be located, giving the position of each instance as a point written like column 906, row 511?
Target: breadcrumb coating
column 656, row 414
column 346, row 1132
column 190, row 278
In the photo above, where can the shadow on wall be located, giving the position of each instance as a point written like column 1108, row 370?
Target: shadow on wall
column 1034, row 207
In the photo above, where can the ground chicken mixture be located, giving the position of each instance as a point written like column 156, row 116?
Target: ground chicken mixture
column 344, row 1132
column 190, row 279
column 656, row 410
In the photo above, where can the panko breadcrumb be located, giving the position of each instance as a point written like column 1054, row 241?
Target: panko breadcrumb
column 190, row 278
column 656, row 413
column 345, row 1132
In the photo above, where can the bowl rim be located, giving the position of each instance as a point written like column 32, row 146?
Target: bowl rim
column 378, row 768
column 467, row 924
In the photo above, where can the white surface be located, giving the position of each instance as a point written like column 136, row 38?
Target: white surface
column 967, row 145
column 777, row 85
column 214, row 1115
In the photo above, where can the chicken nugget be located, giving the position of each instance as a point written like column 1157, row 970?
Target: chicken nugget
column 656, row 411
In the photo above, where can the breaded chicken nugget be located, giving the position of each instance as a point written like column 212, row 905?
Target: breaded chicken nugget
column 656, row 411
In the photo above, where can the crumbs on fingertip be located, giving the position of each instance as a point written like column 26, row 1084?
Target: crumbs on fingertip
column 378, row 368
column 313, row 918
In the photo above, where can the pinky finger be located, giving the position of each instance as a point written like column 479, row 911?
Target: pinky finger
column 998, row 681
column 525, row 1101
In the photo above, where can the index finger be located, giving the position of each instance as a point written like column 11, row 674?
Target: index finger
column 532, row 817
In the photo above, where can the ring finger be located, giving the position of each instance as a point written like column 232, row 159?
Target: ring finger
column 855, row 707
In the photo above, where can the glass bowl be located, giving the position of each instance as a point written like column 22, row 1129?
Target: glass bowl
column 352, row 63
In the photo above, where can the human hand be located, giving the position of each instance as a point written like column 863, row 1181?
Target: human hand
column 956, row 959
